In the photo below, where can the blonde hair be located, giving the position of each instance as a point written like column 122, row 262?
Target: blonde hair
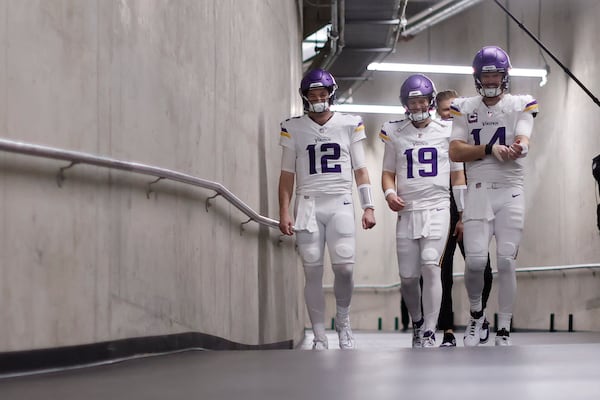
column 445, row 95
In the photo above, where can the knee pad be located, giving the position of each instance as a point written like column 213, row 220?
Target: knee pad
column 343, row 248
column 409, row 283
column 430, row 256
column 476, row 263
column 506, row 264
column 343, row 269
column 311, row 255
column 507, row 250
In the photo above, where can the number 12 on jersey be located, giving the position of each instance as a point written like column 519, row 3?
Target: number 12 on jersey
column 329, row 152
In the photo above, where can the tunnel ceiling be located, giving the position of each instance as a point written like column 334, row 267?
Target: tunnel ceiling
column 365, row 31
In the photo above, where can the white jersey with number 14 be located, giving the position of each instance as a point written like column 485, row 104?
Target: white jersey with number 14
column 477, row 124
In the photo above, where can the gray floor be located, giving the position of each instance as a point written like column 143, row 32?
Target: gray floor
column 538, row 366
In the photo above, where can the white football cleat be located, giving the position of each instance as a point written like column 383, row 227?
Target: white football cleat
column 473, row 332
column 484, row 333
column 320, row 343
column 342, row 326
column 428, row 339
column 503, row 338
column 417, row 339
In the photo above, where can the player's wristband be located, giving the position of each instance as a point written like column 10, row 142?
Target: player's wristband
column 366, row 196
column 458, row 192
column 389, row 191
column 488, row 149
column 524, row 151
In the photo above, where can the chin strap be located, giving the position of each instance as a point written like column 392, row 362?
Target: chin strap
column 490, row 92
column 420, row 116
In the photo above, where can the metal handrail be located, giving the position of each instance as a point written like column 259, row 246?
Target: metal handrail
column 396, row 285
column 76, row 157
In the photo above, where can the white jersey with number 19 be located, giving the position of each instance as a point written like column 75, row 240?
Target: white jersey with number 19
column 419, row 158
column 323, row 161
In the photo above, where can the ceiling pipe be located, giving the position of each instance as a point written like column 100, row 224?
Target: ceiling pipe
column 429, row 11
column 374, row 22
column 384, row 52
column 334, row 33
column 435, row 15
column 338, row 17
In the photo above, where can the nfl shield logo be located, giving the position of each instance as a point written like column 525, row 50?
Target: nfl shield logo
column 472, row 117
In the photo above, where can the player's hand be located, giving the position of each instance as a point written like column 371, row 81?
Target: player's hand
column 395, row 202
column 458, row 231
column 368, row 218
column 517, row 150
column 501, row 152
column 286, row 225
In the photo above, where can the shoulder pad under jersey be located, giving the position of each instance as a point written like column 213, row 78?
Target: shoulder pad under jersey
column 464, row 105
column 392, row 126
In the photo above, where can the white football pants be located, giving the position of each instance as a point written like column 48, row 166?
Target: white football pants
column 336, row 229
column 420, row 242
column 508, row 207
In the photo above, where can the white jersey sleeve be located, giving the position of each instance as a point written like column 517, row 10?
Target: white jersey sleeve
column 357, row 155
column 285, row 137
column 389, row 153
column 454, row 166
column 288, row 160
column 459, row 121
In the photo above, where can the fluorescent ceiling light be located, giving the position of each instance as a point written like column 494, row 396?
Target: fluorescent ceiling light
column 368, row 108
column 434, row 69
column 453, row 69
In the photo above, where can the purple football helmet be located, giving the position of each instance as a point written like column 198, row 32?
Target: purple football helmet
column 418, row 85
column 317, row 78
column 491, row 59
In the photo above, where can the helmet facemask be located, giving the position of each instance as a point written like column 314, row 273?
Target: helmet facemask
column 421, row 115
column 314, row 79
column 491, row 91
column 320, row 106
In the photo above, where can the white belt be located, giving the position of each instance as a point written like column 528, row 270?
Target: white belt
column 488, row 185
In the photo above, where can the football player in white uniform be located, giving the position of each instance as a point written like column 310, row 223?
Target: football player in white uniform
column 321, row 151
column 443, row 100
column 491, row 134
column 416, row 174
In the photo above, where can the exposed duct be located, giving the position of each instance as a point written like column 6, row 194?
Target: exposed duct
column 436, row 14
column 366, row 31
